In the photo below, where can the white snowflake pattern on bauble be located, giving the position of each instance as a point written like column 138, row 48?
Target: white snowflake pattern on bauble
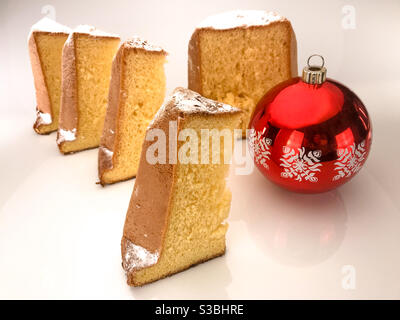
column 260, row 147
column 299, row 165
column 349, row 160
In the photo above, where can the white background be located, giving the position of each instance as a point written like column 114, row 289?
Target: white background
column 60, row 232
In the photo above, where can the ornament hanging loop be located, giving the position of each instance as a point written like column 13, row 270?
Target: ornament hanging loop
column 314, row 74
column 315, row 55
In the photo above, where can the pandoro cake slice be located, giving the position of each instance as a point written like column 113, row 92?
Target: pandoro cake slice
column 86, row 70
column 137, row 91
column 45, row 43
column 236, row 57
column 177, row 210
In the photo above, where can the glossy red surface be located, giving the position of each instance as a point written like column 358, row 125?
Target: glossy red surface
column 310, row 138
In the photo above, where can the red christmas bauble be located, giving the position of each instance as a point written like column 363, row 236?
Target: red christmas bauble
column 310, row 134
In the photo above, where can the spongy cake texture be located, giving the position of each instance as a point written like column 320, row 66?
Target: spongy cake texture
column 236, row 57
column 87, row 59
column 177, row 211
column 137, row 91
column 45, row 43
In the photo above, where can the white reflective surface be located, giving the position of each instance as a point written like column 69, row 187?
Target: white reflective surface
column 60, row 232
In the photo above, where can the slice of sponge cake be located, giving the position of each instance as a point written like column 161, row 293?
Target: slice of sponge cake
column 86, row 71
column 177, row 209
column 137, row 91
column 45, row 43
column 236, row 57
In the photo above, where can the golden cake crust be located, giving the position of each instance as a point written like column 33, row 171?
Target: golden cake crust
column 43, row 106
column 69, row 105
column 42, row 94
column 109, row 138
column 150, row 204
column 69, row 119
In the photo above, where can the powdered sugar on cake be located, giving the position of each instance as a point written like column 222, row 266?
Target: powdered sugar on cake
column 43, row 118
column 137, row 257
column 240, row 18
column 90, row 30
column 66, row 135
column 49, row 25
column 107, row 153
column 138, row 43
column 190, row 101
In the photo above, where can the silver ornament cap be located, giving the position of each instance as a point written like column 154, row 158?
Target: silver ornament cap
column 314, row 74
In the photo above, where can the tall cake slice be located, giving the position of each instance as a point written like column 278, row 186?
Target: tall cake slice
column 177, row 210
column 86, row 70
column 137, row 91
column 45, row 43
column 237, row 56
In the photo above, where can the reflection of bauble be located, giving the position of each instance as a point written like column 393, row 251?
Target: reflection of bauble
column 299, row 230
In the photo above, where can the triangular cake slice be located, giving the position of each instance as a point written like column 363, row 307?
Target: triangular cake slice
column 137, row 91
column 45, row 43
column 235, row 57
column 86, row 70
column 177, row 210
